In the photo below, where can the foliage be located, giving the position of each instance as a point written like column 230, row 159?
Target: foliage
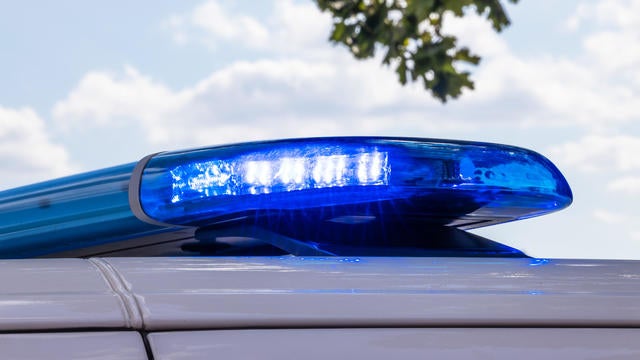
column 411, row 33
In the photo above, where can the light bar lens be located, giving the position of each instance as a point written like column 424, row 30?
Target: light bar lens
column 464, row 183
column 263, row 174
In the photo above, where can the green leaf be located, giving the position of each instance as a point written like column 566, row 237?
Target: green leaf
column 402, row 72
column 415, row 41
column 420, row 7
column 338, row 32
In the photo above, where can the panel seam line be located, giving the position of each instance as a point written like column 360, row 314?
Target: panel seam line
column 130, row 305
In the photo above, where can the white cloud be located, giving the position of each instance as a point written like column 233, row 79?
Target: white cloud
column 476, row 33
column 212, row 17
column 550, row 90
column 176, row 25
column 608, row 162
column 598, row 152
column 620, row 13
column 256, row 100
column 27, row 153
column 101, row 98
column 299, row 29
column 614, row 44
column 289, row 27
column 629, row 185
column 306, row 87
column 212, row 22
column 558, row 91
column 612, row 218
column 626, row 225
column 615, row 50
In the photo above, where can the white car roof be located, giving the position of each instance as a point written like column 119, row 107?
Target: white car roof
column 156, row 294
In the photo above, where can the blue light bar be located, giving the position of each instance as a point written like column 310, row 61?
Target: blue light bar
column 69, row 213
column 464, row 184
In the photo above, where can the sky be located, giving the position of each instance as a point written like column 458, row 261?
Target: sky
column 86, row 85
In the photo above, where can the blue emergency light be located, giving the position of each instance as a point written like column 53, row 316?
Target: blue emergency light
column 489, row 182
column 449, row 183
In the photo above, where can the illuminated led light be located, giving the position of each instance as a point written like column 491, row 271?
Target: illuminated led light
column 470, row 183
column 298, row 171
column 317, row 171
column 331, row 171
column 253, row 177
column 374, row 169
column 341, row 166
column 209, row 178
column 362, row 168
column 291, row 171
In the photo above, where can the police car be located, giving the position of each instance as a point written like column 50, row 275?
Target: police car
column 305, row 248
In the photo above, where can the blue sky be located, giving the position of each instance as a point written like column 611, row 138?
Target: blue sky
column 88, row 85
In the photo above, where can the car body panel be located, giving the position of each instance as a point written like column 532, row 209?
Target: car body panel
column 450, row 343
column 210, row 293
column 124, row 345
column 56, row 294
column 156, row 294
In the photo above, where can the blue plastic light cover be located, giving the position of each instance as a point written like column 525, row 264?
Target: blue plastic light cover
column 464, row 184
column 73, row 212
